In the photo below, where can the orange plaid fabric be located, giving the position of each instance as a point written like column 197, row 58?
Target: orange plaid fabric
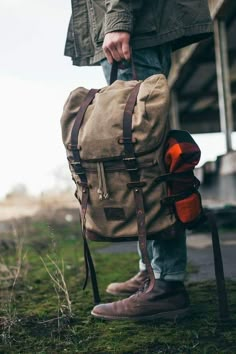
column 181, row 156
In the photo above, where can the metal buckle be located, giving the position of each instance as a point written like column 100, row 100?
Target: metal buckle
column 77, row 167
column 75, row 163
column 72, row 147
column 129, row 158
column 130, row 163
column 132, row 169
column 138, row 184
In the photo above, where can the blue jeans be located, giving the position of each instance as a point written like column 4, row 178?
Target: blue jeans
column 168, row 257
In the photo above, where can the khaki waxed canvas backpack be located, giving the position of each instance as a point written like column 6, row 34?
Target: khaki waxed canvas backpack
column 116, row 140
column 111, row 155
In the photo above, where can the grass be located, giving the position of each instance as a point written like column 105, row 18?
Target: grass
column 36, row 318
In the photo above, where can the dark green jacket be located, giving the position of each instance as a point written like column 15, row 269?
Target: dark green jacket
column 150, row 22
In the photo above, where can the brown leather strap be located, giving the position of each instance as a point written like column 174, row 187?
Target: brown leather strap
column 89, row 266
column 177, row 176
column 76, row 163
column 80, row 116
column 127, row 121
column 219, row 270
column 84, row 204
column 169, row 201
column 130, row 160
column 132, row 168
column 142, row 235
column 114, row 71
column 92, row 273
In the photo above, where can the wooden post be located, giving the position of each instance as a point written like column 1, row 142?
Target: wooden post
column 223, row 81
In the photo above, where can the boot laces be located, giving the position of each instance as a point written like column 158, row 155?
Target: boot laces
column 143, row 288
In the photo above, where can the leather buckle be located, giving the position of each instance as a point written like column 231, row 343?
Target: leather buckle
column 75, row 163
column 133, row 185
column 130, row 163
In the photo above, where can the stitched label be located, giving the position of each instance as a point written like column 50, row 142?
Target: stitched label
column 114, row 214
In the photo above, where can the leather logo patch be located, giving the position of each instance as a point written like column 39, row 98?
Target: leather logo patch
column 114, row 214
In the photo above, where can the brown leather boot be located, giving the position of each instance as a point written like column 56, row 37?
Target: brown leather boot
column 167, row 300
column 130, row 286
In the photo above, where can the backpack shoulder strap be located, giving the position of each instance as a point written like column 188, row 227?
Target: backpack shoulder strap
column 79, row 170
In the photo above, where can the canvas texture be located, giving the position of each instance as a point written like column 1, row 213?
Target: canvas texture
column 111, row 213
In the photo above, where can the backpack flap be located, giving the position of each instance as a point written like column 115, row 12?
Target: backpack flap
column 101, row 133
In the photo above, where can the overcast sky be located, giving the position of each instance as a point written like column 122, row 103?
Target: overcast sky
column 35, row 81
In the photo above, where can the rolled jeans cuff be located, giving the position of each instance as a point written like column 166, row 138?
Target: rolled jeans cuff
column 168, row 277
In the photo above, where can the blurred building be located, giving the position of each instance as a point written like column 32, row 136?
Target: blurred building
column 203, row 91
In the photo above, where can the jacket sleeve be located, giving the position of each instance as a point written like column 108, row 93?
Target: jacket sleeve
column 120, row 15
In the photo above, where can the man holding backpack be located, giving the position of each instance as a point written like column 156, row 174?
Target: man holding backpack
column 103, row 31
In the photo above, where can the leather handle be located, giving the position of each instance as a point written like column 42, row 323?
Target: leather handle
column 116, row 66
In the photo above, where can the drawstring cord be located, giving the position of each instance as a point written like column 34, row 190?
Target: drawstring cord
column 102, row 185
column 105, row 190
column 99, row 190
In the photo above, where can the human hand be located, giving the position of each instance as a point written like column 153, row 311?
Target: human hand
column 116, row 46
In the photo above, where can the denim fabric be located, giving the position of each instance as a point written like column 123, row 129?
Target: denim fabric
column 168, row 257
column 147, row 62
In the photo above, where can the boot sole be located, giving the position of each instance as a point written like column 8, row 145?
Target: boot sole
column 170, row 315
